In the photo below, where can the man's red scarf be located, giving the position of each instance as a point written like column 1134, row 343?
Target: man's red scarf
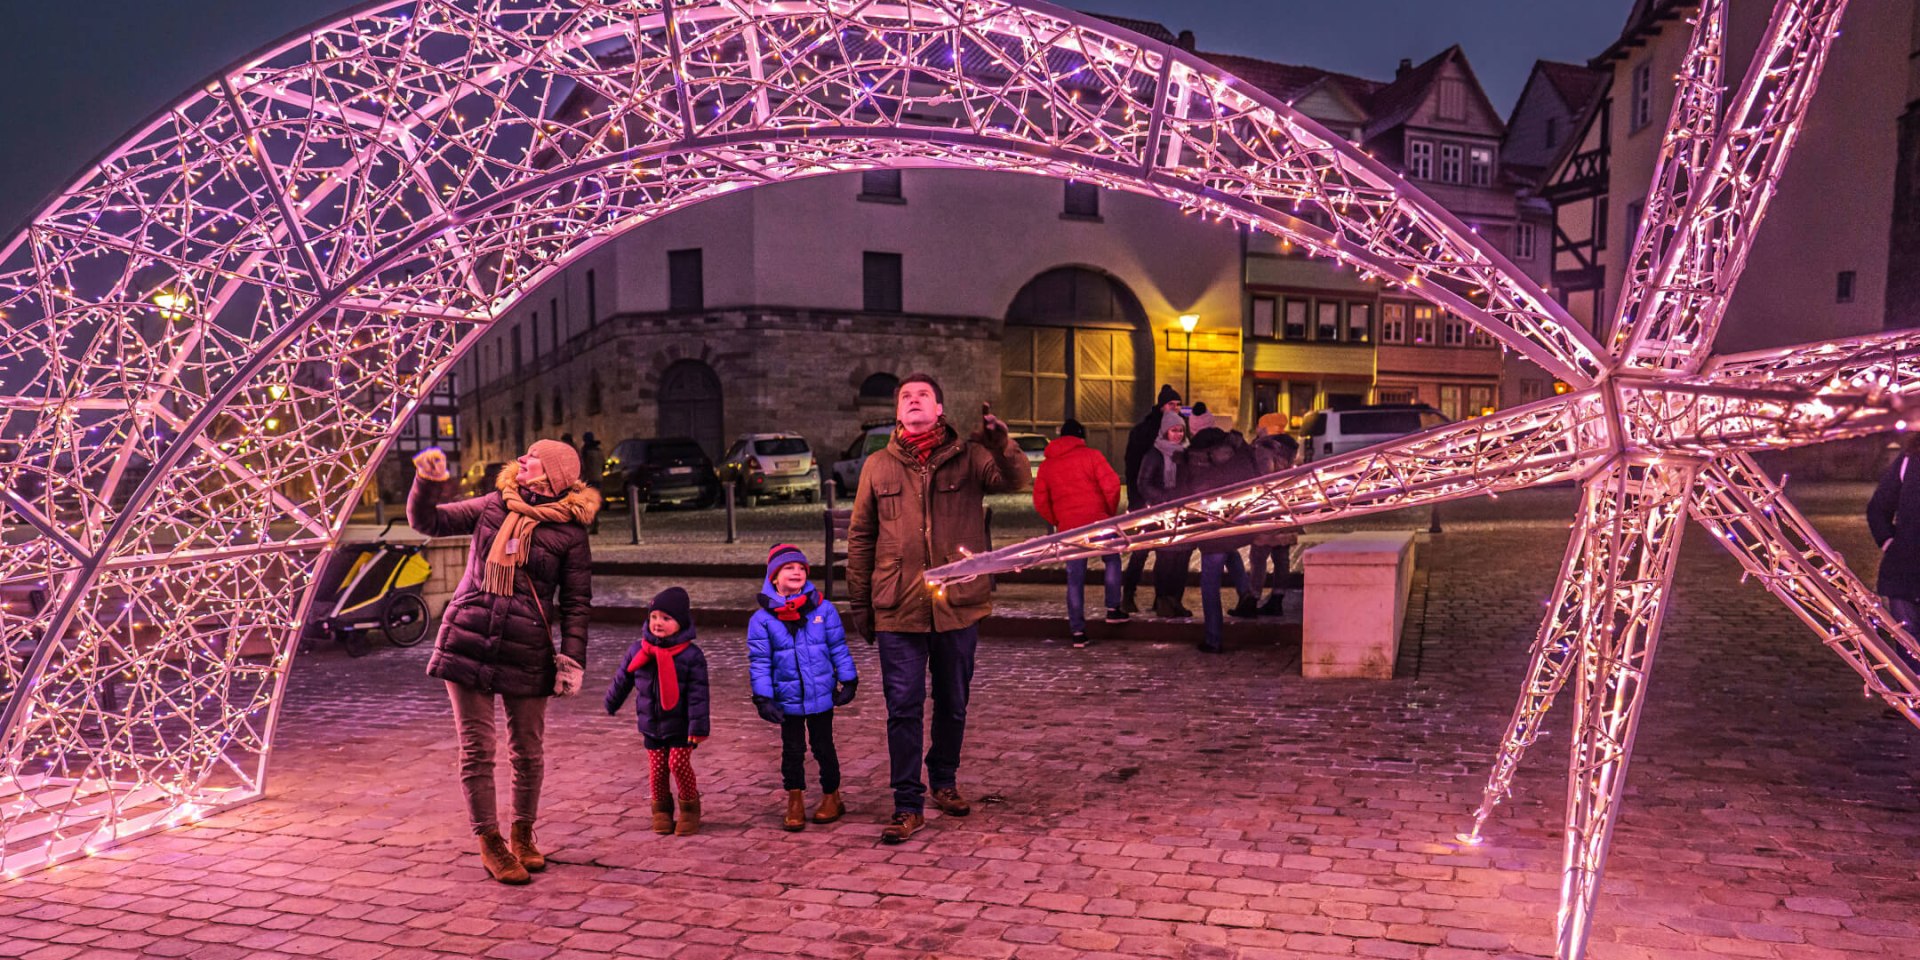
column 669, row 676
column 921, row 445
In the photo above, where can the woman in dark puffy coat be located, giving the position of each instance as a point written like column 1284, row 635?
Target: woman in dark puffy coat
column 1213, row 459
column 528, row 571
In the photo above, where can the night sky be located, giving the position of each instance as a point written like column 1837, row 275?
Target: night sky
column 76, row 76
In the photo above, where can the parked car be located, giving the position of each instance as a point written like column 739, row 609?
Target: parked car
column 480, row 478
column 668, row 470
column 771, row 465
column 874, row 435
column 1034, row 446
column 1329, row 433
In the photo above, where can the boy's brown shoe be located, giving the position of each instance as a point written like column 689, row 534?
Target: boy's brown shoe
column 902, row 826
column 499, row 861
column 663, row 815
column 521, row 843
column 796, row 811
column 689, row 822
column 951, row 803
column 830, row 808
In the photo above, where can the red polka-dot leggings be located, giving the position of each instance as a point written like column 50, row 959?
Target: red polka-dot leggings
column 678, row 761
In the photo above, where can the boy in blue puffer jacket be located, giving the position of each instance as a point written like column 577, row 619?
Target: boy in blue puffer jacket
column 801, row 669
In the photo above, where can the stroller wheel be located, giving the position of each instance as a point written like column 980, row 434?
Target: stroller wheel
column 406, row 620
column 355, row 641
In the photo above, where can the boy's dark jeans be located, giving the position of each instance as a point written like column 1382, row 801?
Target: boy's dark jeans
column 795, row 731
column 905, row 661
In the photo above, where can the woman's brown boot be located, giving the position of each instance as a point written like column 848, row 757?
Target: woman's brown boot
column 500, row 861
column 689, row 823
column 796, row 810
column 830, row 808
column 663, row 815
column 521, row 843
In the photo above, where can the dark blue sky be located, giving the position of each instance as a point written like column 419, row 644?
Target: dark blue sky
column 77, row 75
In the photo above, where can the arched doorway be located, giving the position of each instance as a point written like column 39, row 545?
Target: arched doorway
column 213, row 334
column 1076, row 346
column 691, row 405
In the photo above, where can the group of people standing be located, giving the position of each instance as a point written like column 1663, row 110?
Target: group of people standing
column 919, row 506
column 1173, row 452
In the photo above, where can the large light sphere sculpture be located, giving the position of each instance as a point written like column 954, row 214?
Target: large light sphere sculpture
column 212, row 336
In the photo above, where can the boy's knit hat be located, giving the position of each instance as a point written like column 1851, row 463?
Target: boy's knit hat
column 675, row 603
column 1073, row 428
column 782, row 554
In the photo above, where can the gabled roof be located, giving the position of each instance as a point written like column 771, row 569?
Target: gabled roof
column 1397, row 102
column 1573, row 83
column 1645, row 18
column 1146, row 28
column 1289, row 82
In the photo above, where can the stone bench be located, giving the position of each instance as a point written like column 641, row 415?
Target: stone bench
column 1355, row 604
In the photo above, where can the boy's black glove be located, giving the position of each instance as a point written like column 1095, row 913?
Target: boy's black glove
column 844, row 695
column 769, row 711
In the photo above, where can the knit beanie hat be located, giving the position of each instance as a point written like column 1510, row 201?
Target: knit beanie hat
column 1168, row 421
column 781, row 555
column 675, row 603
column 560, row 461
column 1201, row 420
column 1167, row 395
column 1072, row 428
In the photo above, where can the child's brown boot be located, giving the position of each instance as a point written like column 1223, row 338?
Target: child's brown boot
column 663, row 815
column 499, row 861
column 689, row 822
column 830, row 808
column 796, row 810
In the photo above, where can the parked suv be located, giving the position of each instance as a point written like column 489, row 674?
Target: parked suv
column 873, row 437
column 1329, row 433
column 1034, row 446
column 668, row 470
column 768, row 465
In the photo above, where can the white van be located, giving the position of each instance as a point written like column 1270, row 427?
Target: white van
column 1329, row 433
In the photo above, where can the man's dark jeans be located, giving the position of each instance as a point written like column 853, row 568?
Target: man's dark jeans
column 905, row 661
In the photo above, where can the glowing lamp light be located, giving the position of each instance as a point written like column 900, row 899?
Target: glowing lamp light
column 173, row 304
column 1188, row 321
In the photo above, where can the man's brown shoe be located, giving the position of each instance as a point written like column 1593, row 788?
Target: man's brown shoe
column 499, row 861
column 796, row 811
column 830, row 808
column 663, row 816
column 523, row 849
column 951, row 802
column 902, row 826
column 689, row 822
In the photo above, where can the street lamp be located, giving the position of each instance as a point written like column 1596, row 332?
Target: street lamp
column 1187, row 322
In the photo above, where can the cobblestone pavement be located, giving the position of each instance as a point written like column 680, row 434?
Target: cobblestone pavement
column 1130, row 800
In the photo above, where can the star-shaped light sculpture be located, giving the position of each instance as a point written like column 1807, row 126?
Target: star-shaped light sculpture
column 1656, row 432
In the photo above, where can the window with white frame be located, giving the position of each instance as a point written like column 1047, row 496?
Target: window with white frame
column 1358, row 317
column 1480, row 166
column 1641, row 106
column 1263, row 311
column 1393, row 323
column 1420, row 159
column 1423, row 324
column 1482, row 338
column 1524, row 239
column 1453, row 331
column 1326, row 325
column 1450, row 154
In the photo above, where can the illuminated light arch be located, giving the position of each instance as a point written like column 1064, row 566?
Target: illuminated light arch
column 213, row 334
column 1661, row 432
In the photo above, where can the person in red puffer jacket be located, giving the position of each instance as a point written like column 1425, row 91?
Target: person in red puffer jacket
column 1074, row 487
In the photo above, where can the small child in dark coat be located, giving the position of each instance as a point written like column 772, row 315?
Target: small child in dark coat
column 670, row 674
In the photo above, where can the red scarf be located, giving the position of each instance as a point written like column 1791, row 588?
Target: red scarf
column 921, row 445
column 669, row 677
column 793, row 609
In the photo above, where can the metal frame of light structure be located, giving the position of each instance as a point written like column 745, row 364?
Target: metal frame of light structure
column 315, row 234
column 1658, row 432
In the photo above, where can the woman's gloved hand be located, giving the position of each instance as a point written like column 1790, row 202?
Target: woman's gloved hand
column 571, row 675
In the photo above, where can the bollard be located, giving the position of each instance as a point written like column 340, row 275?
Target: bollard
column 635, row 507
column 827, row 483
column 1433, row 519
column 732, row 531
column 379, row 511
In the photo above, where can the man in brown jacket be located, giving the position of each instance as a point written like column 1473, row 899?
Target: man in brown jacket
column 920, row 506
